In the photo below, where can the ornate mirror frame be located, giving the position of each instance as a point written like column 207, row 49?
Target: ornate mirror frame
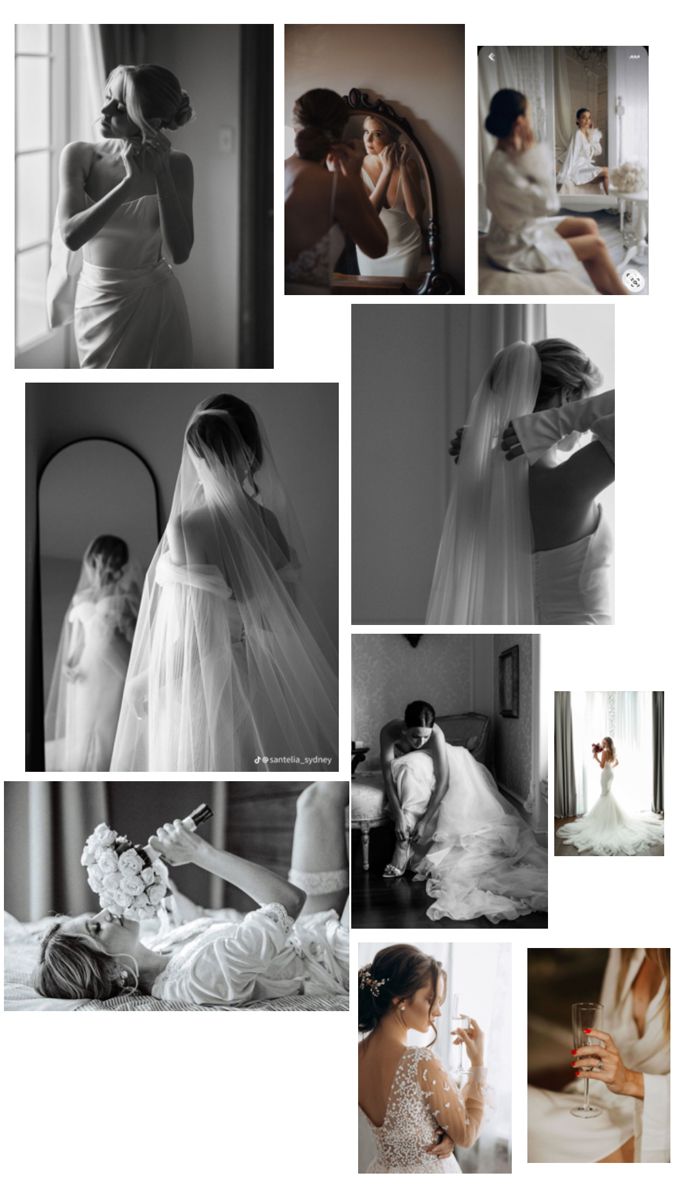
column 435, row 282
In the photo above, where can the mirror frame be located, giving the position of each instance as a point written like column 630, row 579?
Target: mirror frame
column 435, row 282
column 37, row 753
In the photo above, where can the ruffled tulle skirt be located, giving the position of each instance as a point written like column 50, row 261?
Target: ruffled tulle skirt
column 607, row 829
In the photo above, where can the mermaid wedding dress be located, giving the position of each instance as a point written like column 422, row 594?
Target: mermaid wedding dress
column 607, row 829
column 405, row 239
column 423, row 1101
column 483, row 860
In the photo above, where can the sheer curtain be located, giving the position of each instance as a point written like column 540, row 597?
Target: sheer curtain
column 627, row 718
column 528, row 69
column 628, row 80
column 565, row 124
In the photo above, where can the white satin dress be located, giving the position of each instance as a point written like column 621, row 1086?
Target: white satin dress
column 522, row 198
column 405, row 239
column 423, row 1102
column 556, row 1136
column 573, row 584
column 260, row 956
column 483, row 860
column 607, row 829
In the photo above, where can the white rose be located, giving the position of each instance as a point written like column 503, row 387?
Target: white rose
column 156, row 893
column 113, row 907
column 148, row 875
column 131, row 885
column 100, row 830
column 107, row 862
column 88, row 856
column 130, row 863
column 95, row 879
column 161, row 871
column 108, row 838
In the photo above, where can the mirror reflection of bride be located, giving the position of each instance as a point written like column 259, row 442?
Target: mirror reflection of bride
column 325, row 199
column 230, row 667
column 607, row 829
column 578, row 168
column 92, row 659
column 394, row 184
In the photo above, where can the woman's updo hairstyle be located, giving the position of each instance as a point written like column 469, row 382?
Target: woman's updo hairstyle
column 505, row 107
column 419, row 714
column 320, row 116
column 567, row 373
column 224, row 437
column 73, row 967
column 106, row 558
column 153, row 93
column 396, row 973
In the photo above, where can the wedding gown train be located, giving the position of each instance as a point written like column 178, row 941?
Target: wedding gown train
column 483, row 860
column 423, row 1100
column 607, row 829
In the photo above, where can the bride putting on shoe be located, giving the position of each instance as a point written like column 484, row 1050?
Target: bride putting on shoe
column 124, row 202
column 292, row 944
column 525, row 539
column 415, row 1112
column 230, row 669
column 477, row 857
column 607, row 829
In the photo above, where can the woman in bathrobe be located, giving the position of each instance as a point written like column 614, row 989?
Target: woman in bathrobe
column 578, row 169
column 125, row 202
column 293, row 943
column 629, row 1069
column 525, row 235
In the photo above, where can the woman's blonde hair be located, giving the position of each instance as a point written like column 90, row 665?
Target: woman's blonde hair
column 153, row 93
column 612, row 751
column 661, row 959
column 73, row 967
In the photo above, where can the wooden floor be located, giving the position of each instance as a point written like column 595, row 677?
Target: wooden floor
column 379, row 903
column 563, row 850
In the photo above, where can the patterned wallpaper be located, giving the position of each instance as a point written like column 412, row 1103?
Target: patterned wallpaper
column 387, row 673
column 513, row 735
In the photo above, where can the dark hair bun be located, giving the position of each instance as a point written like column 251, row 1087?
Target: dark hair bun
column 505, row 108
column 395, row 972
column 183, row 113
column 312, row 143
column 321, row 116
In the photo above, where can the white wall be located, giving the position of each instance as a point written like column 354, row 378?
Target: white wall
column 206, row 60
column 419, row 70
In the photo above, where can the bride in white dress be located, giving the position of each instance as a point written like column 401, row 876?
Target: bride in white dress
column 393, row 181
column 524, row 538
column 578, row 170
column 415, row 1113
column 525, row 234
column 606, row 828
column 124, row 202
column 92, row 659
column 292, row 944
column 629, row 1072
column 230, row 667
column 478, row 858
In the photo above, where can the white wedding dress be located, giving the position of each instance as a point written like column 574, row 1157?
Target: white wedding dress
column 423, row 1101
column 405, row 239
column 556, row 1136
column 483, row 860
column 227, row 958
column 607, row 829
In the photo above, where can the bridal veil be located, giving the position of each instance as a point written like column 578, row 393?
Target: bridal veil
column 483, row 572
column 230, row 668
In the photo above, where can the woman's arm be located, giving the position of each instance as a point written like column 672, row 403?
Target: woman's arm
column 378, row 195
column 78, row 220
column 180, row 846
column 441, row 772
column 386, row 760
column 175, row 188
column 75, row 648
column 411, row 185
column 604, row 1062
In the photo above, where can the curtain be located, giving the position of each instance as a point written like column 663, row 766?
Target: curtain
column 658, row 736
column 474, row 335
column 123, row 45
column 256, row 233
column 565, row 124
column 628, row 83
column 47, row 824
column 565, row 777
column 527, row 69
column 627, row 718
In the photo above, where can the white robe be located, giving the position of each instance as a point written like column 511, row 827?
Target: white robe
column 578, row 167
column 522, row 199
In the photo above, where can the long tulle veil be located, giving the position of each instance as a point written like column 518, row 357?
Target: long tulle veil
column 483, row 572
column 117, row 601
column 231, row 668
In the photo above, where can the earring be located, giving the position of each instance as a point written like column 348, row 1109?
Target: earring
column 402, row 1007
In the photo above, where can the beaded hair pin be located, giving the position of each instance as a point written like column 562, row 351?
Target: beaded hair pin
column 366, row 981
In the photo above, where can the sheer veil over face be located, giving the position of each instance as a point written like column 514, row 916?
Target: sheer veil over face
column 483, row 571
column 230, row 666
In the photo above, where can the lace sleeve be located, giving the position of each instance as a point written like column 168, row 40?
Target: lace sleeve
column 459, row 1113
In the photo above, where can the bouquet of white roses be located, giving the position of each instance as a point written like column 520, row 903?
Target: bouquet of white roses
column 126, row 880
column 628, row 177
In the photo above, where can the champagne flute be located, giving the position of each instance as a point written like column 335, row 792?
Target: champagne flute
column 460, row 1021
column 585, row 1015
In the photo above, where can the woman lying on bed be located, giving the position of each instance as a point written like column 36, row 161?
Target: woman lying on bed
column 292, row 944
